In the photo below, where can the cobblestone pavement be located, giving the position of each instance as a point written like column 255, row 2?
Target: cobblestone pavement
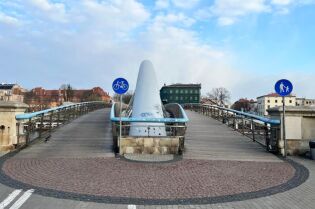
column 80, row 152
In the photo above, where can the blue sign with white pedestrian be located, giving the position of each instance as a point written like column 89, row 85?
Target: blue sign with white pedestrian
column 283, row 87
column 120, row 85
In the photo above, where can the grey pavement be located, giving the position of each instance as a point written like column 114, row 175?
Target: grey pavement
column 204, row 141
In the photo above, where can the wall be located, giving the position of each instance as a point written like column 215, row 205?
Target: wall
column 8, row 131
column 300, row 127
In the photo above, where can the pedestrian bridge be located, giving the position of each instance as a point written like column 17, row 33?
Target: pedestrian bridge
column 219, row 164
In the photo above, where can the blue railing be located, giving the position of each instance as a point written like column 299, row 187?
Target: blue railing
column 184, row 119
column 26, row 116
column 253, row 116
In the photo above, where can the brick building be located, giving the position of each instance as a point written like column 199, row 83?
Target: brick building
column 11, row 92
column 40, row 98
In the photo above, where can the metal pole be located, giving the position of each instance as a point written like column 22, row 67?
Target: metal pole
column 283, row 127
column 120, row 110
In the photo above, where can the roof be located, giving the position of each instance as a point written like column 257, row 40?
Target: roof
column 183, row 85
column 274, row 95
column 6, row 86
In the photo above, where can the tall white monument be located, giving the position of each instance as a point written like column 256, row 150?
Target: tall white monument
column 147, row 103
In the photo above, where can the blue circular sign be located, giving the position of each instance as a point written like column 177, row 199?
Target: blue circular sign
column 283, row 87
column 120, row 85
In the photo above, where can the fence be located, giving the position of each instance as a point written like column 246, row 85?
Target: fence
column 263, row 130
column 174, row 126
column 40, row 124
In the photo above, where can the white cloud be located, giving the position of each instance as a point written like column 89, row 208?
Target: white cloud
column 281, row 2
column 162, row 4
column 229, row 11
column 185, row 4
column 54, row 11
column 8, row 20
column 121, row 15
column 171, row 19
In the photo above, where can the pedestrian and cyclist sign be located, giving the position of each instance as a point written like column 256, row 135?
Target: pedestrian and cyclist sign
column 283, row 87
column 120, row 85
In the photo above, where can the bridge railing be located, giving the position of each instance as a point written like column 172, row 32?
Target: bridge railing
column 40, row 124
column 263, row 130
column 174, row 127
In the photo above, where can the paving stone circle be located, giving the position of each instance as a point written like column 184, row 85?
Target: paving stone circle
column 187, row 181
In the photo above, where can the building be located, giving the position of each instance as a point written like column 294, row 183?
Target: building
column 180, row 93
column 40, row 98
column 273, row 100
column 305, row 102
column 246, row 105
column 11, row 92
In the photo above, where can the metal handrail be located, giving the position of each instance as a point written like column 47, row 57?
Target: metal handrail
column 252, row 116
column 47, row 111
column 184, row 119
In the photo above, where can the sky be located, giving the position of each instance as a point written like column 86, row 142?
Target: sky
column 242, row 45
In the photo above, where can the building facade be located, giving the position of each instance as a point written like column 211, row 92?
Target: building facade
column 180, row 93
column 305, row 102
column 11, row 92
column 40, row 98
column 273, row 100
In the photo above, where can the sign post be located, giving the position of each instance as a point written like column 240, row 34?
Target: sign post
column 284, row 87
column 120, row 86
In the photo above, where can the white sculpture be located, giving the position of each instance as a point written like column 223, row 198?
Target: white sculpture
column 147, row 103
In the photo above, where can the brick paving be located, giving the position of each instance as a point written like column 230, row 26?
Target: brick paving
column 179, row 180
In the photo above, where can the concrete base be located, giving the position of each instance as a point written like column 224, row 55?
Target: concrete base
column 297, row 147
column 149, row 145
column 6, row 147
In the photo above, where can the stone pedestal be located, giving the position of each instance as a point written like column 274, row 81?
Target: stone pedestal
column 300, row 128
column 149, row 145
column 8, row 127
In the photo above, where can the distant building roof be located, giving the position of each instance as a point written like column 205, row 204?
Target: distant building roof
column 6, row 86
column 183, row 85
column 274, row 95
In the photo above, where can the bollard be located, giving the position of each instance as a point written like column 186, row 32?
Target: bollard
column 312, row 149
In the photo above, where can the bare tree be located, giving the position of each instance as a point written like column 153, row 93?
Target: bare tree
column 68, row 92
column 125, row 97
column 220, row 95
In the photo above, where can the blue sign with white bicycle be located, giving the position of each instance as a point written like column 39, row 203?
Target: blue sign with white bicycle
column 120, row 85
column 283, row 87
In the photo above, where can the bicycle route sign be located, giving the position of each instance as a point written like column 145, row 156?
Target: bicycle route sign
column 120, row 85
column 283, row 87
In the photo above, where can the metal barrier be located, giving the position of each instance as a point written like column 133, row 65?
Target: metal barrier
column 263, row 130
column 175, row 127
column 40, row 124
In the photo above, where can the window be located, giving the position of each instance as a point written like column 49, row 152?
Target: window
column 171, row 91
column 176, row 98
column 268, row 106
column 176, row 91
column 196, row 91
column 196, row 98
column 186, row 91
column 190, row 98
column 268, row 101
column 191, row 91
column 290, row 101
column 181, row 91
column 171, row 97
column 276, row 101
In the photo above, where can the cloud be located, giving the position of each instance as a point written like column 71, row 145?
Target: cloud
column 185, row 4
column 170, row 19
column 54, row 11
column 162, row 4
column 8, row 20
column 281, row 2
column 229, row 11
